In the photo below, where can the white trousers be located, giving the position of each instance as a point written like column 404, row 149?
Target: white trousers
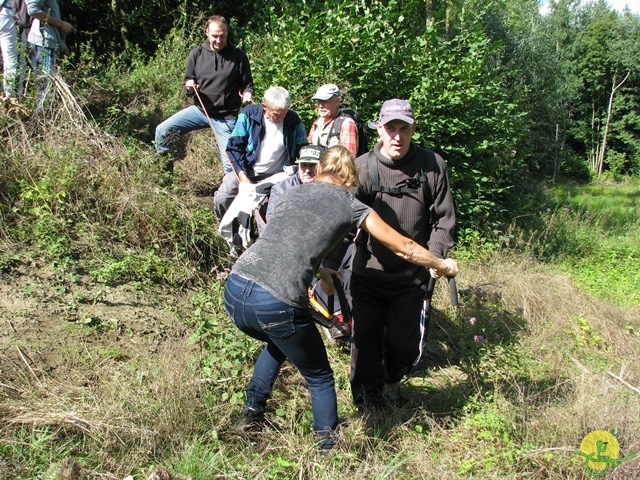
column 9, row 46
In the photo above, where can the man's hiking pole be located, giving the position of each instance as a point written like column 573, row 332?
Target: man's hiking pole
column 425, row 313
column 215, row 134
column 453, row 290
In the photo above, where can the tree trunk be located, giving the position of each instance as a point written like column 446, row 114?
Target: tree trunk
column 614, row 89
column 593, row 150
column 556, row 162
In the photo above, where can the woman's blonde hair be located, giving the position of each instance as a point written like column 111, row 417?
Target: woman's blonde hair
column 338, row 162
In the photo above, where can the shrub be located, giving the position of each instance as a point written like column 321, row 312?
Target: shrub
column 455, row 90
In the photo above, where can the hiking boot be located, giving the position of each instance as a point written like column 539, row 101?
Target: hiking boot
column 372, row 403
column 249, row 420
column 391, row 392
column 326, row 441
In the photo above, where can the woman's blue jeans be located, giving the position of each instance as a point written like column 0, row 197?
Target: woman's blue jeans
column 289, row 332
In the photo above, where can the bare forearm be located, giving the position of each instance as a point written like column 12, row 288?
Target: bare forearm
column 404, row 247
column 415, row 253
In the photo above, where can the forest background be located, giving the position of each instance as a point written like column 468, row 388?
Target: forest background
column 116, row 355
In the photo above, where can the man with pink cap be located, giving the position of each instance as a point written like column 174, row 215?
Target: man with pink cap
column 408, row 186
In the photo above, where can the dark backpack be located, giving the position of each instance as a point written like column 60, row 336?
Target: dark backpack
column 361, row 128
column 23, row 19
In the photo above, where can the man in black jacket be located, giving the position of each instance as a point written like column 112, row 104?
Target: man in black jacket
column 413, row 196
column 218, row 75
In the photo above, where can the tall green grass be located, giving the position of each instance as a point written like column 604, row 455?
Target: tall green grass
column 593, row 234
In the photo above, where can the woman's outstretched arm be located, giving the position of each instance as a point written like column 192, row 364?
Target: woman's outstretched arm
column 405, row 247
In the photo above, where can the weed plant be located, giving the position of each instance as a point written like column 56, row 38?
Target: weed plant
column 80, row 198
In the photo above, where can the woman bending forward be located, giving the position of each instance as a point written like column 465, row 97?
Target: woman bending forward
column 266, row 292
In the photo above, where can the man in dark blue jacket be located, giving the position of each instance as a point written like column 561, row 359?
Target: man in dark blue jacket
column 266, row 138
column 219, row 78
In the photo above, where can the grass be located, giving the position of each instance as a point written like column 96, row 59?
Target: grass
column 612, row 216
column 511, row 407
column 591, row 232
column 117, row 358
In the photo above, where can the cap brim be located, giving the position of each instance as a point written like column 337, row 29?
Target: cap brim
column 403, row 118
column 322, row 97
column 302, row 160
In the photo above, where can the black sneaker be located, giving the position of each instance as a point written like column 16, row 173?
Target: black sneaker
column 391, row 393
column 373, row 402
column 249, row 420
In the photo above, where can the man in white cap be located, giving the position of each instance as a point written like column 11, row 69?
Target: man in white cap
column 412, row 195
column 331, row 128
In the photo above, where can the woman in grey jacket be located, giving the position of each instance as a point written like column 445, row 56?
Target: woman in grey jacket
column 267, row 291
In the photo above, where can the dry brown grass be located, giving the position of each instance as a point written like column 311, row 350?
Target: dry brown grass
column 124, row 410
column 580, row 394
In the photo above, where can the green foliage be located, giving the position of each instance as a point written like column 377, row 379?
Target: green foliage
column 487, row 424
column 469, row 118
column 138, row 92
column 614, row 205
column 585, row 335
column 592, row 233
column 200, row 458
column 617, row 162
column 142, row 269
column 566, row 234
column 227, row 351
column 612, row 273
column 33, row 448
column 456, row 91
column 483, row 325
column 75, row 202
column 574, row 168
column 353, row 44
column 605, row 59
column 498, row 88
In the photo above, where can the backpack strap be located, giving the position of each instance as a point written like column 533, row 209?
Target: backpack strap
column 408, row 186
column 336, row 126
column 373, row 173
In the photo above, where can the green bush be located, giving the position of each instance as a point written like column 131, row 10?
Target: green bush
column 75, row 198
column 455, row 90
